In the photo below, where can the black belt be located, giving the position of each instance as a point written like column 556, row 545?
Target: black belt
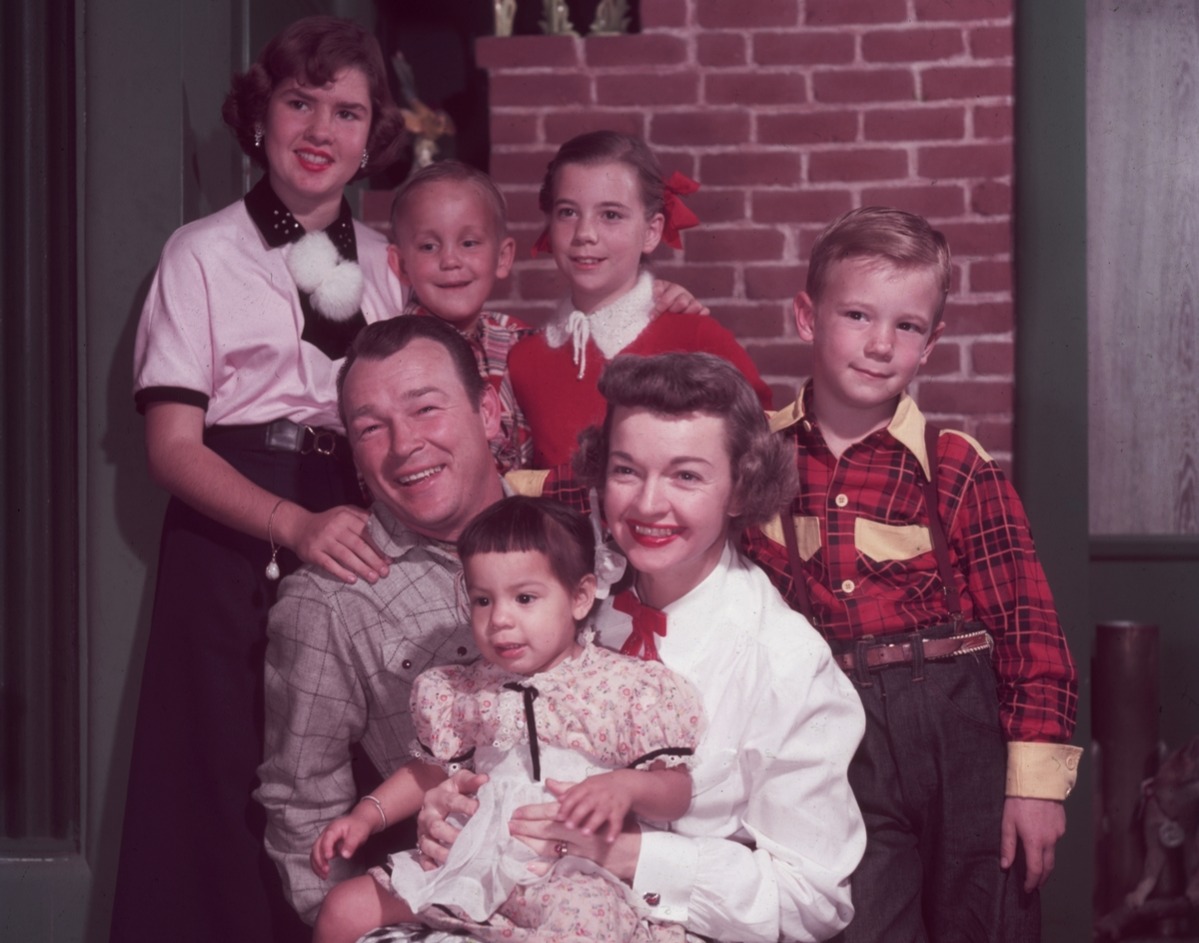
column 282, row 435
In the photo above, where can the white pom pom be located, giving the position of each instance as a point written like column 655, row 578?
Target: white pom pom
column 340, row 294
column 310, row 260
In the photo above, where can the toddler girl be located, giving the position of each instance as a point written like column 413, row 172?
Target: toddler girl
column 607, row 208
column 542, row 703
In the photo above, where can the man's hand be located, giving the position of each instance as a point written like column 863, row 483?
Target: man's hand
column 1037, row 824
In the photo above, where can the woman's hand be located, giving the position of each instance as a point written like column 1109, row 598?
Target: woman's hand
column 434, row 835
column 335, row 540
column 342, row 836
column 671, row 298
column 539, row 827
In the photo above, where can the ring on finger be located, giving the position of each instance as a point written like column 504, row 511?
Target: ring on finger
column 561, row 849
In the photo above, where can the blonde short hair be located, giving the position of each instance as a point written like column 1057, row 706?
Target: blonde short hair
column 902, row 239
column 452, row 171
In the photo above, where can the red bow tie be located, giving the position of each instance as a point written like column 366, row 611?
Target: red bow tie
column 647, row 622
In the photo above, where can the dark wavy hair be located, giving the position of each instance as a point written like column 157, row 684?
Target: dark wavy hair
column 380, row 340
column 312, row 51
column 602, row 147
column 519, row 523
column 676, row 384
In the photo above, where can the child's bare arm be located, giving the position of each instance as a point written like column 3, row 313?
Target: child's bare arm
column 667, row 793
column 402, row 793
column 395, row 799
column 604, row 800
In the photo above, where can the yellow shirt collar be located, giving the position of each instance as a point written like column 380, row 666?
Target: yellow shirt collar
column 907, row 425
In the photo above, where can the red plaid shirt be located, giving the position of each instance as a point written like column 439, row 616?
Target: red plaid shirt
column 491, row 340
column 861, row 524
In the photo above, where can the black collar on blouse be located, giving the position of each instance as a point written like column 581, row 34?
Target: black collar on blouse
column 278, row 228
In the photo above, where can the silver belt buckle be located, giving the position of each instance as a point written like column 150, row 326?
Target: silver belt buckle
column 323, row 441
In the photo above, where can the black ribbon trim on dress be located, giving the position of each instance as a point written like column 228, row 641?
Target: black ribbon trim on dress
column 460, row 759
column 665, row 751
column 530, row 695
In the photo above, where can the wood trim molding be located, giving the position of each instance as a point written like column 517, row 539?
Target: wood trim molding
column 39, row 468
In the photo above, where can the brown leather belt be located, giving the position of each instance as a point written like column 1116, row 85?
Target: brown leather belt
column 881, row 654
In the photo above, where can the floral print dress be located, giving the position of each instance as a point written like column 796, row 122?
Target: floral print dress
column 597, row 712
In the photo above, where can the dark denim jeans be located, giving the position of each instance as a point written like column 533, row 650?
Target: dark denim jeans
column 929, row 777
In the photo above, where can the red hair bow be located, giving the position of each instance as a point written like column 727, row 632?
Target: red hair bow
column 678, row 216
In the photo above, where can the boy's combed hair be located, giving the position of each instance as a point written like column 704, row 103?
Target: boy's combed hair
column 312, row 51
column 380, row 340
column 523, row 524
column 902, row 239
column 452, row 171
column 601, row 147
column 677, row 384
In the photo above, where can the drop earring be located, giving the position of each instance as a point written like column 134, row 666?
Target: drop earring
column 258, row 132
column 365, row 158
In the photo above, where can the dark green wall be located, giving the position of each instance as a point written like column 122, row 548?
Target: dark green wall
column 1102, row 580
column 156, row 156
column 1051, row 373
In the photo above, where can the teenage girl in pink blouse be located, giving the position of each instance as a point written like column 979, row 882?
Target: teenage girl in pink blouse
column 245, row 323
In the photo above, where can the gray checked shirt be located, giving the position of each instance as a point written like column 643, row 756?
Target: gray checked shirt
column 340, row 663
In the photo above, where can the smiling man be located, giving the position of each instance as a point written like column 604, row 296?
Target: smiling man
column 341, row 657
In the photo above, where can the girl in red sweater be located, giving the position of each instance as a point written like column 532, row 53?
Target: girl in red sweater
column 607, row 208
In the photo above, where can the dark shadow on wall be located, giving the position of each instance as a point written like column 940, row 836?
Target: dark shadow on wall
column 437, row 38
column 139, row 505
column 213, row 171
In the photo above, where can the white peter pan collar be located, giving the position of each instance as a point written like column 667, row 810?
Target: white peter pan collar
column 612, row 327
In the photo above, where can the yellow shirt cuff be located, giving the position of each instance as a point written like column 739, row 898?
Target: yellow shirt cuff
column 1041, row 770
column 527, row 482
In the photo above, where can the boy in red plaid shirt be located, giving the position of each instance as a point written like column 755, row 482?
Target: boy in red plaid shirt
column 969, row 689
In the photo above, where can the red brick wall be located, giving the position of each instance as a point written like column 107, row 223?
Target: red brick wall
column 789, row 112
